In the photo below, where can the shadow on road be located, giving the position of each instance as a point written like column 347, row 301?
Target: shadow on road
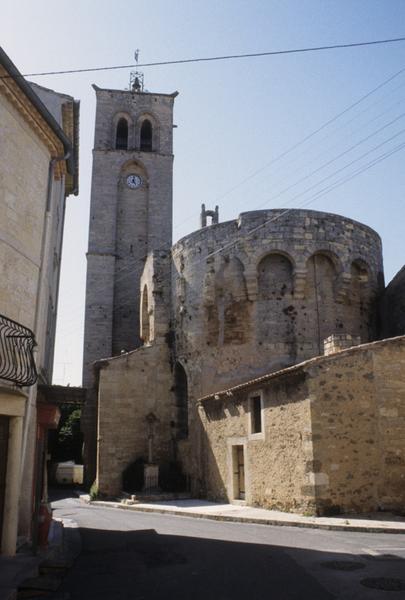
column 136, row 565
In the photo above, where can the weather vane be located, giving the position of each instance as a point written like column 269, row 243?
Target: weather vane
column 136, row 77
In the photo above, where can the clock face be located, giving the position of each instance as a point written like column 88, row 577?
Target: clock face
column 134, row 181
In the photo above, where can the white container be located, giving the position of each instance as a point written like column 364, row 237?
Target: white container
column 68, row 473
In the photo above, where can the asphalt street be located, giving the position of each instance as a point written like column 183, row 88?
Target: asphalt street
column 134, row 556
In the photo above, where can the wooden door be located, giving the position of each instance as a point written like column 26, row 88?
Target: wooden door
column 241, row 473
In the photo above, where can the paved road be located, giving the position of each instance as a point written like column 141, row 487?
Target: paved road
column 135, row 556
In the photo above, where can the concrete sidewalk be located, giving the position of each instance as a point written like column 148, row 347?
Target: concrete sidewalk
column 202, row 509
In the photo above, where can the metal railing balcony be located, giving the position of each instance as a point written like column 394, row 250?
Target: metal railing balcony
column 16, row 353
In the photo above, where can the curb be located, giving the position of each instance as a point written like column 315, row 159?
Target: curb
column 251, row 520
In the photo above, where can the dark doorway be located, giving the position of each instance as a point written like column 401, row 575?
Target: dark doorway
column 4, row 432
column 238, row 468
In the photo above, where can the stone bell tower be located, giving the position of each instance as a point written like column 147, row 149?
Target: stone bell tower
column 130, row 217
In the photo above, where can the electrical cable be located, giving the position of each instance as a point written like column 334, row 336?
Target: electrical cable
column 301, row 142
column 310, row 200
column 217, row 58
column 121, row 275
column 323, row 192
column 332, row 160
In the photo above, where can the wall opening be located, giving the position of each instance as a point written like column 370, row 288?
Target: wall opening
column 145, row 317
column 121, row 138
column 4, row 435
column 181, row 391
column 238, row 472
column 256, row 414
column 146, row 136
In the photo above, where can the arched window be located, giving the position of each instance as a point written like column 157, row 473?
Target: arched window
column 181, row 390
column 145, row 321
column 146, row 136
column 121, row 138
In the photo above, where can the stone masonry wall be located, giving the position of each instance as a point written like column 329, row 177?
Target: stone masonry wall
column 344, row 434
column 135, row 385
column 128, row 393
column 389, row 381
column 258, row 294
column 126, row 225
column 276, row 461
column 393, row 306
column 271, row 297
column 358, row 424
column 24, row 163
column 333, row 434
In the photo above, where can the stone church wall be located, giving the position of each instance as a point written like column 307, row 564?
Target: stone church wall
column 261, row 293
column 138, row 386
column 132, row 387
column 273, row 294
column 127, row 224
column 393, row 306
column 333, row 436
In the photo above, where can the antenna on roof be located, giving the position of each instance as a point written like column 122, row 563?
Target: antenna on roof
column 136, row 77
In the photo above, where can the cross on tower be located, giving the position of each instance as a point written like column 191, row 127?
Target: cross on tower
column 136, row 77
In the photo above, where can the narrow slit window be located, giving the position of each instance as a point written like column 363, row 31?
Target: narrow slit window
column 146, row 136
column 121, row 140
column 181, row 390
column 256, row 414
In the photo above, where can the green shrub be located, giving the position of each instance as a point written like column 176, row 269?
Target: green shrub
column 94, row 491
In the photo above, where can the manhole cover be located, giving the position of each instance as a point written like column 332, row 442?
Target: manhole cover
column 343, row 565
column 388, row 584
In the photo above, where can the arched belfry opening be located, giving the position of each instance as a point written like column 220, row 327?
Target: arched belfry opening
column 145, row 318
column 181, row 392
column 146, row 136
column 121, row 138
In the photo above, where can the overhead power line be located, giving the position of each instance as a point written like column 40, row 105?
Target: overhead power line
column 315, row 195
column 217, row 58
column 321, row 193
column 298, row 144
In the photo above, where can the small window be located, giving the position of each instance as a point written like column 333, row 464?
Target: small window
column 121, row 140
column 181, row 393
column 256, row 414
column 146, row 136
column 145, row 319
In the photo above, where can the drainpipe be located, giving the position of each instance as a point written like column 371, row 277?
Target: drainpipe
column 31, row 402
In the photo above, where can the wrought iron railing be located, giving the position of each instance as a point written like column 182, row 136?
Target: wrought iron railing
column 16, row 353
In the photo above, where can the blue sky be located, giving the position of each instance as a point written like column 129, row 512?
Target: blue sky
column 233, row 117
